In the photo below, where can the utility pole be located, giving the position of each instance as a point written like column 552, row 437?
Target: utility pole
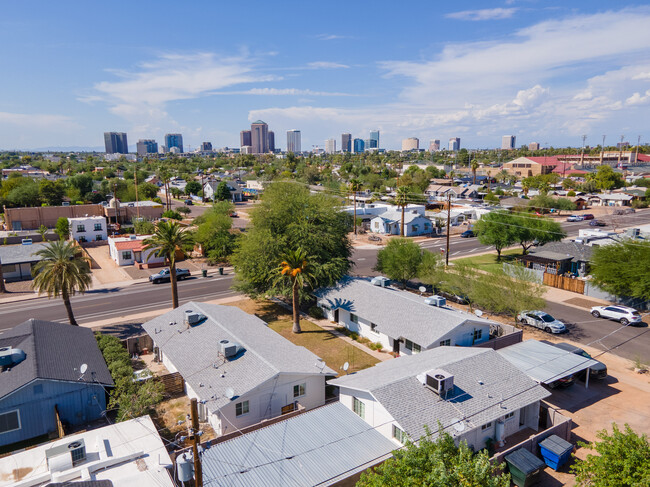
column 582, row 155
column 448, row 226
column 194, row 437
column 636, row 157
column 135, row 182
column 602, row 152
column 620, row 151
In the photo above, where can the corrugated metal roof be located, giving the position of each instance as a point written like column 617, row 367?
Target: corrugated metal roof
column 319, row 447
column 544, row 363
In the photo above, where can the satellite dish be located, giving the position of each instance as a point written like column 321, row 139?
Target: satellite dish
column 229, row 393
column 346, row 366
column 83, row 368
column 478, row 312
column 422, row 289
column 458, row 425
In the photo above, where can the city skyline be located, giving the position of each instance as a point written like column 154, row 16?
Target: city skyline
column 538, row 71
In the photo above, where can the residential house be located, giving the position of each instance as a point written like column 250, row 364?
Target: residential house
column 473, row 394
column 611, row 199
column 578, row 253
column 88, row 228
column 44, row 377
column 18, row 260
column 401, row 321
column 210, row 188
column 441, row 192
column 241, row 371
column 390, row 223
column 131, row 251
column 126, row 454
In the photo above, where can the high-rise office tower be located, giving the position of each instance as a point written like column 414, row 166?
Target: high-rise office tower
column 330, row 146
column 508, row 142
column 260, row 137
column 146, row 146
column 293, row 141
column 434, row 145
column 412, row 143
column 206, row 146
column 374, row 139
column 533, row 146
column 454, row 144
column 245, row 138
column 346, row 142
column 174, row 140
column 359, row 146
column 271, row 139
column 115, row 143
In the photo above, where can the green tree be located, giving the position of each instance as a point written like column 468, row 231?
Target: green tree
column 497, row 228
column 51, row 192
column 174, row 215
column 25, row 195
column 192, row 187
column 531, row 230
column 402, row 201
column 622, row 269
column 170, row 241
column 296, row 270
column 402, row 260
column 213, row 232
column 622, row 460
column 42, row 231
column 222, row 193
column 355, row 186
column 436, row 463
column 474, row 165
column 62, row 228
column 606, row 178
column 144, row 227
column 61, row 272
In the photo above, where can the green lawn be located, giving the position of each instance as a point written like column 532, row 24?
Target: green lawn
column 488, row 262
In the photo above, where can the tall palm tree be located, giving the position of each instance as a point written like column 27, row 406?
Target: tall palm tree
column 297, row 270
column 168, row 241
column 355, row 185
column 61, row 271
column 402, row 200
column 474, row 165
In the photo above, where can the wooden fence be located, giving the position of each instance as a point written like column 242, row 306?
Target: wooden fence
column 173, row 383
column 502, row 341
column 566, row 283
column 137, row 344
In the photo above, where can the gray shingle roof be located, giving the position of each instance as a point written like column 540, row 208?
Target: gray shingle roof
column 18, row 254
column 396, row 216
column 319, row 447
column 396, row 313
column 486, row 387
column 577, row 251
column 53, row 351
column 194, row 351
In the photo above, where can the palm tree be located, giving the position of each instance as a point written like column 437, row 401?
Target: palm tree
column 61, row 271
column 474, row 165
column 168, row 241
column 297, row 270
column 355, row 185
column 402, row 200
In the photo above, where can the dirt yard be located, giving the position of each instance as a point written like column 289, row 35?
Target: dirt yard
column 169, row 413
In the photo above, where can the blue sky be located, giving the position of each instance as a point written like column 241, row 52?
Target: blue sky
column 542, row 71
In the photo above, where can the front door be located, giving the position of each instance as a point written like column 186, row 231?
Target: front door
column 522, row 417
column 138, row 256
column 396, row 346
column 336, row 315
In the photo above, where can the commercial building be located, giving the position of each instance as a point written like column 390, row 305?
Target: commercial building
column 412, row 143
column 434, row 145
column 359, row 146
column 330, row 146
column 374, row 140
column 206, row 146
column 293, row 141
column 454, row 144
column 174, row 140
column 31, row 218
column 271, row 139
column 115, row 143
column 146, row 146
column 346, row 142
column 260, row 137
column 534, row 166
column 245, row 138
column 508, row 142
column 533, row 146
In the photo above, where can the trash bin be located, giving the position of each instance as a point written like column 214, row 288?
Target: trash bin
column 524, row 467
column 555, row 451
column 221, row 271
column 204, row 272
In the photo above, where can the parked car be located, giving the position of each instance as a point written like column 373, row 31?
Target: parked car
column 541, row 320
column 574, row 218
column 189, row 202
column 164, row 276
column 598, row 371
column 233, row 214
column 597, row 223
column 587, row 216
column 563, row 382
column 623, row 314
column 623, row 211
column 467, row 234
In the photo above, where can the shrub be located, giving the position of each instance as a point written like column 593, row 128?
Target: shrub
column 354, row 336
column 316, row 312
column 174, row 215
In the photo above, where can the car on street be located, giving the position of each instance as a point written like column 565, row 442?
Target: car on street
column 622, row 314
column 597, row 223
column 164, row 276
column 467, row 234
column 574, row 218
column 541, row 320
column 598, row 371
column 189, row 202
column 587, row 216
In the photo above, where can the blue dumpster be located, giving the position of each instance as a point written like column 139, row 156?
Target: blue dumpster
column 555, row 451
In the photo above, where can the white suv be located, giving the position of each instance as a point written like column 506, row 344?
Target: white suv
column 619, row 313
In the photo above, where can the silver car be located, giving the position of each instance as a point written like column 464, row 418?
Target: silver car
column 541, row 320
column 623, row 314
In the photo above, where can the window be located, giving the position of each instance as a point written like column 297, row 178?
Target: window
column 373, row 328
column 354, row 318
column 478, row 334
column 81, row 228
column 416, row 348
column 9, row 421
column 399, row 435
column 299, row 389
column 9, row 268
column 486, row 426
column 445, row 343
column 359, row 407
column 98, row 227
column 510, row 416
column 98, row 236
column 415, row 228
column 408, row 344
column 241, row 408
column 38, row 389
column 126, row 255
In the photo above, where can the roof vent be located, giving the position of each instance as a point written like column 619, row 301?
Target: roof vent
column 133, row 237
column 439, row 381
column 435, row 300
column 10, row 356
column 380, row 281
column 26, row 241
column 229, row 349
column 193, row 318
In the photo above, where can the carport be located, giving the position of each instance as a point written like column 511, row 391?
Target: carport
column 545, row 363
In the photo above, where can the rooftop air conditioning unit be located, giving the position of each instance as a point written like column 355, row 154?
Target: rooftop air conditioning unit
column 10, row 356
column 26, row 241
column 380, row 281
column 193, row 318
column 439, row 381
column 436, row 300
column 64, row 457
column 229, row 349
column 133, row 237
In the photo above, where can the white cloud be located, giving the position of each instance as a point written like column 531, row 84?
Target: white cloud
column 483, row 14
column 638, row 99
column 326, row 65
column 330, row 37
column 281, row 91
column 57, row 123
column 642, row 76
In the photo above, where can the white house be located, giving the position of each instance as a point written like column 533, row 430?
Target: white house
column 368, row 210
column 474, row 393
column 88, row 228
column 390, row 223
column 401, row 321
column 210, row 188
column 241, row 371
column 129, row 250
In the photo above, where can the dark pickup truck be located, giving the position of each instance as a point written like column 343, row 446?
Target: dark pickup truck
column 163, row 276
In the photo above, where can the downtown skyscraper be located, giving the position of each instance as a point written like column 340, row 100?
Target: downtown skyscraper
column 293, row 141
column 174, row 140
column 259, row 137
column 346, row 142
column 115, row 143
